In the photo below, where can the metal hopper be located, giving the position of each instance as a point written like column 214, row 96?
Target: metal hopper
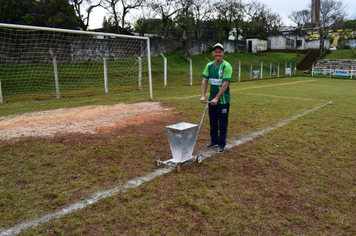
column 182, row 138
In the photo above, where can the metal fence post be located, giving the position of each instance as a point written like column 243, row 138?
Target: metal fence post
column 55, row 72
column 165, row 70
column 139, row 73
column 239, row 70
column 105, row 72
column 191, row 71
column 251, row 69
column 278, row 70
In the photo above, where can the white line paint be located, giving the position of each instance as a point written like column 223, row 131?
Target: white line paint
column 263, row 86
column 276, row 96
column 280, row 124
column 138, row 181
column 273, row 85
column 82, row 204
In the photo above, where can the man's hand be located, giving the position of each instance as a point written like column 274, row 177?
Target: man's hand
column 221, row 91
column 203, row 99
column 214, row 101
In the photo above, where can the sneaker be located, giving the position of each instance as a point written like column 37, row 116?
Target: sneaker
column 221, row 149
column 210, row 145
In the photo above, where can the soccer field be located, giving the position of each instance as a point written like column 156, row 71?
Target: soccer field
column 289, row 166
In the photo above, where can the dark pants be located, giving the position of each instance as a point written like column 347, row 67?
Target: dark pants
column 218, row 115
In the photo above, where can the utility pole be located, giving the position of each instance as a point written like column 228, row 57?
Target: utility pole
column 322, row 34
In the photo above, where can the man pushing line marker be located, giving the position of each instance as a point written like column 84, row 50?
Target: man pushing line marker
column 218, row 72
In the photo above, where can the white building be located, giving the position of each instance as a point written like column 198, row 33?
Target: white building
column 255, row 45
column 294, row 42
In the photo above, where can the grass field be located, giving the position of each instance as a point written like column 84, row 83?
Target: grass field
column 289, row 168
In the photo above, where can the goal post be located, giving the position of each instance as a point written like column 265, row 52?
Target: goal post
column 41, row 63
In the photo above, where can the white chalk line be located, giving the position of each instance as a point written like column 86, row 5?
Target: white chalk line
column 256, row 87
column 286, row 97
column 280, row 124
column 140, row 180
column 82, row 204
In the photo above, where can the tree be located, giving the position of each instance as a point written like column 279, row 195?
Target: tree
column 223, row 20
column 84, row 20
column 185, row 20
column 51, row 13
column 229, row 14
column 332, row 16
column 166, row 11
column 333, row 13
column 350, row 24
column 119, row 9
column 200, row 10
column 143, row 19
column 261, row 22
column 5, row 8
column 300, row 18
column 105, row 23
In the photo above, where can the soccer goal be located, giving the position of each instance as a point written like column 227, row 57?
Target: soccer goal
column 41, row 63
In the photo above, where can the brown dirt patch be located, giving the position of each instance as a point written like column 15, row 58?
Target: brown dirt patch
column 81, row 120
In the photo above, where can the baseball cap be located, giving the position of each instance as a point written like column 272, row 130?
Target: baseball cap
column 218, row 45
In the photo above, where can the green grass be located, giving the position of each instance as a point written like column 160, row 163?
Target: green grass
column 341, row 53
column 296, row 179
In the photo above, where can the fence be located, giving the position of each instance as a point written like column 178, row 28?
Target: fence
column 341, row 68
column 243, row 70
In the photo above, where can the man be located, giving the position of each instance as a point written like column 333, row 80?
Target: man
column 219, row 73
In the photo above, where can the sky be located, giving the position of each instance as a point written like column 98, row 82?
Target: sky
column 283, row 8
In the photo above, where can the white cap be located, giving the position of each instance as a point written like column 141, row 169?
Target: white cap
column 218, row 45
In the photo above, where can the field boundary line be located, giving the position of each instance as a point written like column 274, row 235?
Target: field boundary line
column 272, row 85
column 256, row 134
column 276, row 96
column 95, row 197
column 263, row 86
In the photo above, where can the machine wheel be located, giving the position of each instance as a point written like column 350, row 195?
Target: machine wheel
column 178, row 166
column 158, row 161
column 199, row 159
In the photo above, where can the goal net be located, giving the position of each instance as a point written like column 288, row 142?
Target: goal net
column 41, row 63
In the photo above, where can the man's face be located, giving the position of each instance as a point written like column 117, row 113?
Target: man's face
column 218, row 54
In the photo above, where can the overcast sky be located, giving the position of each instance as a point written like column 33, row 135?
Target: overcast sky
column 283, row 8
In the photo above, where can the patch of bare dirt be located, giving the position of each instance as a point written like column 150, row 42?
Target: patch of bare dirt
column 80, row 120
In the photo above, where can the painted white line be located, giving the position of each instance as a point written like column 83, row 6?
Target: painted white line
column 273, row 85
column 138, row 181
column 263, row 86
column 276, row 96
column 82, row 204
column 280, row 124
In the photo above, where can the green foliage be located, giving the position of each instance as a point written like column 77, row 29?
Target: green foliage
column 47, row 13
column 350, row 24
